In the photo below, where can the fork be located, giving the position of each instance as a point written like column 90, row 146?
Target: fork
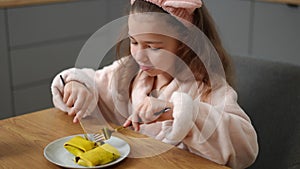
column 105, row 133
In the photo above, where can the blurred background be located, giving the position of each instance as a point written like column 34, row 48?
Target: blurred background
column 38, row 39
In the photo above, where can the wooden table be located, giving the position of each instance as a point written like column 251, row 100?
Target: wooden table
column 23, row 139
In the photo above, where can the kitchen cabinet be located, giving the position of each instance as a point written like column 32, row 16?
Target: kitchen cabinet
column 232, row 19
column 55, row 22
column 40, row 40
column 258, row 29
column 6, row 105
column 276, row 32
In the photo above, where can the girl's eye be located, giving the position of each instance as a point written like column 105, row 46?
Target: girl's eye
column 153, row 48
column 133, row 42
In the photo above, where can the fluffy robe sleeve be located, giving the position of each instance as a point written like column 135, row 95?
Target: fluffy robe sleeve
column 96, row 81
column 221, row 133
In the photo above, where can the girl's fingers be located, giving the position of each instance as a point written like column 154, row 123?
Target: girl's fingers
column 127, row 123
column 75, row 119
column 58, row 100
column 66, row 95
column 78, row 116
column 132, row 120
column 136, row 126
column 72, row 112
column 80, row 103
column 136, row 120
column 84, row 108
column 71, row 100
column 146, row 114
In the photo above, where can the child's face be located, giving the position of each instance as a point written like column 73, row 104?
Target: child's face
column 155, row 53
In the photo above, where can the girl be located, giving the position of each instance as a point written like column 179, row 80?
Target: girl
column 169, row 68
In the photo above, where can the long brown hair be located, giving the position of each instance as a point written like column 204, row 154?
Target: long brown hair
column 204, row 22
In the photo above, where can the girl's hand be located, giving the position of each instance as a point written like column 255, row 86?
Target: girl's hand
column 146, row 111
column 77, row 97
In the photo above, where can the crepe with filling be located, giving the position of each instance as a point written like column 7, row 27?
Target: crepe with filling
column 98, row 156
column 78, row 145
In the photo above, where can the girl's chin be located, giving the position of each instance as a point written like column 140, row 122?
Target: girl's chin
column 150, row 72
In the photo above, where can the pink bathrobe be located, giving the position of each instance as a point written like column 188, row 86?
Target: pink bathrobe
column 220, row 131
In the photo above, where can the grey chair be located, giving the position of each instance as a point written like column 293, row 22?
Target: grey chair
column 269, row 92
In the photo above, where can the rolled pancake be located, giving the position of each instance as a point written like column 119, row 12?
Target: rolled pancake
column 78, row 145
column 98, row 156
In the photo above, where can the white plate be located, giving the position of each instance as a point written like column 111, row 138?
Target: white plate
column 57, row 154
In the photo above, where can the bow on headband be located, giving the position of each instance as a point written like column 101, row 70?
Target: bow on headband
column 179, row 8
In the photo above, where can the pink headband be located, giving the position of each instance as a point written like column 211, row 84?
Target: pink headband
column 179, row 8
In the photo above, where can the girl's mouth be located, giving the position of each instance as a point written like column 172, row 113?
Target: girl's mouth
column 145, row 68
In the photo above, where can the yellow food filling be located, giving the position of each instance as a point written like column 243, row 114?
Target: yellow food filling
column 89, row 154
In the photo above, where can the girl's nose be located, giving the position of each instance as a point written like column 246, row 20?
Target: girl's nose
column 141, row 55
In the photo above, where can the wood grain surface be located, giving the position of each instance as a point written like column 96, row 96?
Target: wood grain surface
column 23, row 139
column 16, row 3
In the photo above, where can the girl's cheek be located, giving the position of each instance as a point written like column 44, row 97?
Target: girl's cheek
column 132, row 50
column 163, row 60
